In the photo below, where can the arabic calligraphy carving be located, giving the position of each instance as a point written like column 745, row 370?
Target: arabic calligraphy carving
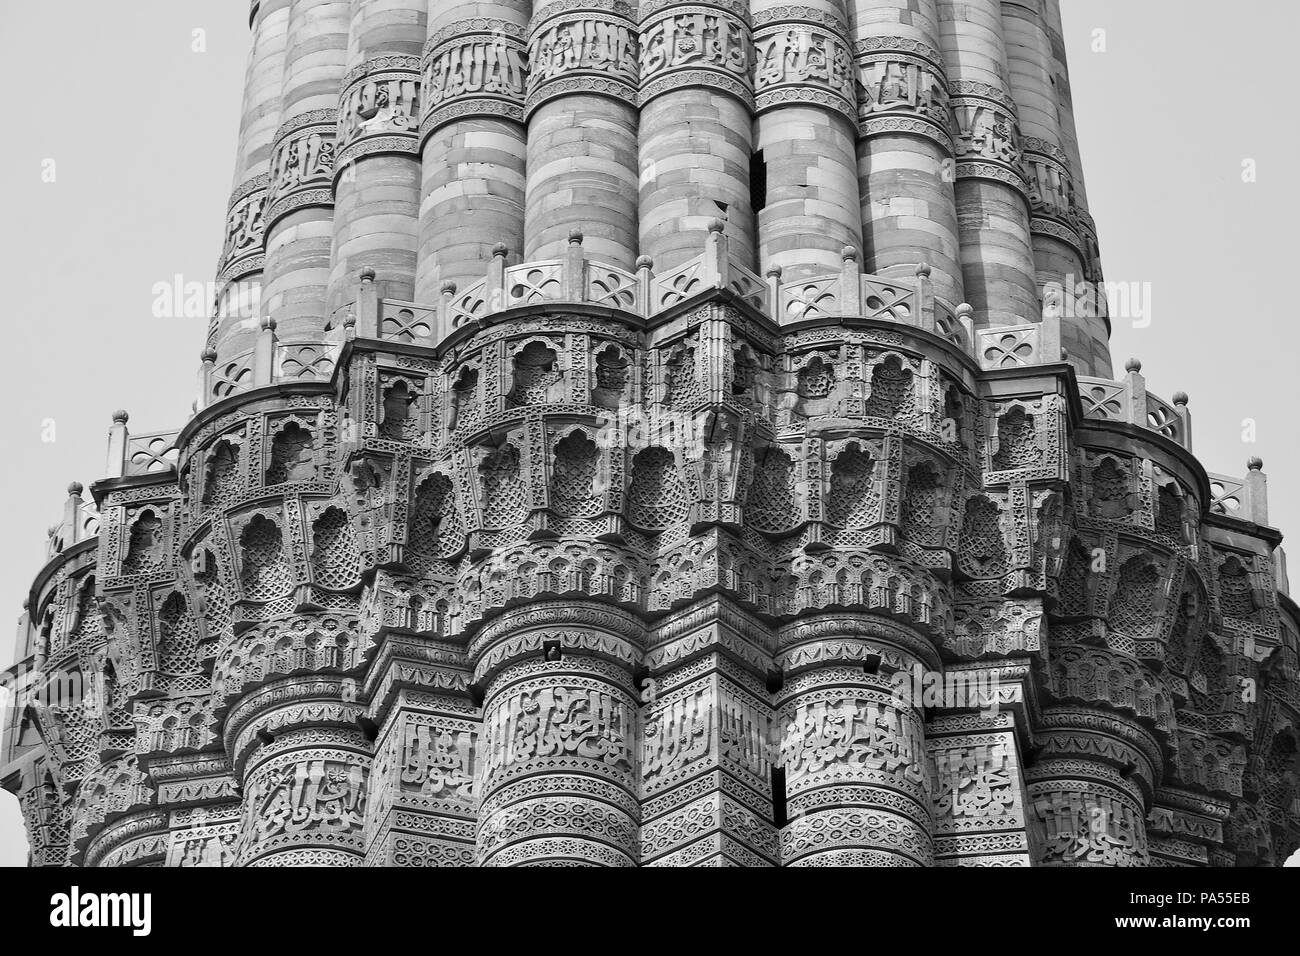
column 553, row 723
column 310, row 796
column 973, row 782
column 851, row 733
column 1080, row 828
column 603, row 46
column 475, row 66
column 797, row 63
column 438, row 762
column 691, row 39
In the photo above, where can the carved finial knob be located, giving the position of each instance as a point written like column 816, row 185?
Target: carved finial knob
column 501, row 250
column 716, row 225
column 367, row 275
column 75, row 489
column 26, row 603
column 964, row 310
column 209, row 355
column 1133, row 365
column 774, row 272
column 1180, row 398
column 268, row 324
column 849, row 254
column 1255, row 463
column 644, row 262
column 448, row 287
column 120, row 417
column 349, row 321
column 923, row 270
column 1064, row 355
column 575, row 236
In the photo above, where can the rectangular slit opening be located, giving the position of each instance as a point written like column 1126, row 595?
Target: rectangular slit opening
column 779, row 818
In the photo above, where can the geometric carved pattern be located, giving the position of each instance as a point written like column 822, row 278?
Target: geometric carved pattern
column 145, row 550
column 398, row 422
column 1017, row 442
column 891, row 390
column 851, row 501
column 178, row 639
column 335, row 561
column 656, row 497
column 1132, row 608
column 536, row 375
column 265, row 573
column 223, row 482
column 771, row 502
column 982, row 548
column 817, row 380
column 435, row 530
column 573, row 488
column 920, row 507
column 503, row 488
column 291, row 456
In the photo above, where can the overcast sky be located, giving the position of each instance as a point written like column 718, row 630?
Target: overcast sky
column 142, row 132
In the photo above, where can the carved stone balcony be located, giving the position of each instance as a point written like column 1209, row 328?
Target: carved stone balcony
column 646, row 293
column 577, row 280
column 1129, row 401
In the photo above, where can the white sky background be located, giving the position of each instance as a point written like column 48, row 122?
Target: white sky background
column 143, row 133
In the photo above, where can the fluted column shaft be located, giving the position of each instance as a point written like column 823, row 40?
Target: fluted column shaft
column 707, row 745
column 1090, row 789
column 263, row 83
column 695, row 137
column 1059, row 248
column 582, row 167
column 377, row 170
column 853, row 748
column 304, row 802
column 421, row 801
column 473, row 140
column 239, row 272
column 1064, row 97
column 979, row 790
column 805, row 133
column 905, row 144
column 992, row 194
column 557, row 765
column 302, row 766
column 1083, row 222
column 300, row 214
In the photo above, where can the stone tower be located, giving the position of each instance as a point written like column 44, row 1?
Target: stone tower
column 669, row 434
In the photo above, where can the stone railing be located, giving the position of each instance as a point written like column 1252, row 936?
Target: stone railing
column 1245, row 498
column 80, row 522
column 268, row 362
column 575, row 279
column 644, row 292
column 133, row 455
column 1129, row 401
